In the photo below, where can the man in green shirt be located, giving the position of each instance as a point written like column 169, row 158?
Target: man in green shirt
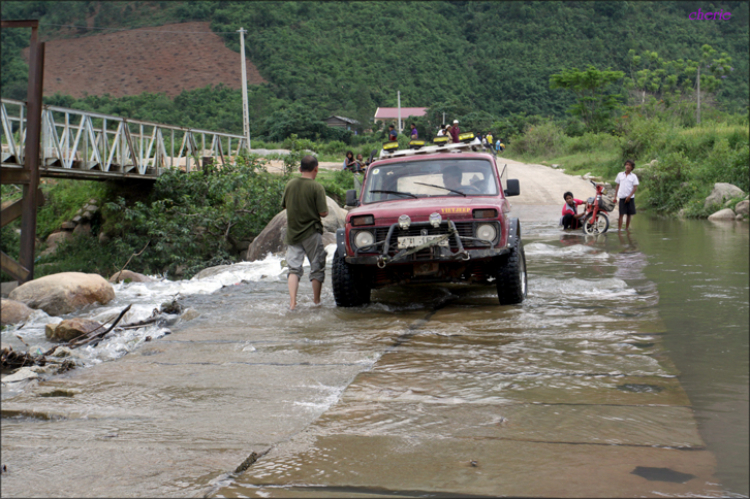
column 305, row 203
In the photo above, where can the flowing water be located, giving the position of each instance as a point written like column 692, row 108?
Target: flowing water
column 624, row 373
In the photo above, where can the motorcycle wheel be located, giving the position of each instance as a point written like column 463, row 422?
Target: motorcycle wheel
column 598, row 226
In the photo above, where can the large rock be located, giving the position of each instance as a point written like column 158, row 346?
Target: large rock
column 725, row 214
column 336, row 218
column 210, row 271
column 70, row 329
column 723, row 191
column 271, row 239
column 62, row 293
column 742, row 208
column 54, row 240
column 129, row 275
column 13, row 312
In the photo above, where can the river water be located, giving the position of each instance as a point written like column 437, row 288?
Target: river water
column 624, row 373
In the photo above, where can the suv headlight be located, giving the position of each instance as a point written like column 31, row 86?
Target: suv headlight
column 487, row 232
column 363, row 238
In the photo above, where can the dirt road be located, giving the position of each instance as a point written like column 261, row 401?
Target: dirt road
column 542, row 190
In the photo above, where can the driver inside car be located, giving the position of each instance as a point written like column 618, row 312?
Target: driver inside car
column 452, row 178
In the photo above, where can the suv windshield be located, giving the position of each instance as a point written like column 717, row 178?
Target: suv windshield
column 444, row 177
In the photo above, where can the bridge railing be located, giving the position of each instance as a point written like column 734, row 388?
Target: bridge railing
column 85, row 144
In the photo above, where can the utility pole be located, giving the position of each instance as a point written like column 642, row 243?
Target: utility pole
column 245, row 111
column 698, row 118
column 400, row 129
column 443, row 118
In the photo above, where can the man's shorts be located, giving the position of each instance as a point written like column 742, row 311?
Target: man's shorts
column 316, row 254
column 627, row 208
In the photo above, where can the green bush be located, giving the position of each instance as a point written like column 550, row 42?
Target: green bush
column 336, row 184
column 544, row 139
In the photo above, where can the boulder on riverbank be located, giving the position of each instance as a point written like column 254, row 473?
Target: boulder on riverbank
column 62, row 293
column 70, row 329
column 54, row 239
column 742, row 208
column 725, row 214
column 130, row 276
column 13, row 312
column 722, row 192
column 271, row 239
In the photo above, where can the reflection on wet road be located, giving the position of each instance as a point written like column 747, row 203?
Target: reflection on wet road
column 431, row 390
column 569, row 394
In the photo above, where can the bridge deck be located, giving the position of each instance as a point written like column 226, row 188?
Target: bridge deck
column 93, row 146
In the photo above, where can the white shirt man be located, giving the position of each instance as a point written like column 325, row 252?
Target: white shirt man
column 627, row 184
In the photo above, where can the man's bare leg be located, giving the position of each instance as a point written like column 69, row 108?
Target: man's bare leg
column 317, row 286
column 627, row 222
column 292, row 282
column 619, row 223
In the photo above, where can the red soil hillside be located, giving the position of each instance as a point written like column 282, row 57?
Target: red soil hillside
column 140, row 60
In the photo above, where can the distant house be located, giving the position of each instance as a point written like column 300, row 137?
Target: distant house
column 341, row 122
column 389, row 115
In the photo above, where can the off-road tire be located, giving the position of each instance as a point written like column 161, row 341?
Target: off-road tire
column 512, row 281
column 351, row 288
column 595, row 228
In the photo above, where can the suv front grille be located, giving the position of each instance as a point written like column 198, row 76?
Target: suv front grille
column 465, row 229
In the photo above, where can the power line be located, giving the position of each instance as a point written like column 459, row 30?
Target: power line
column 142, row 30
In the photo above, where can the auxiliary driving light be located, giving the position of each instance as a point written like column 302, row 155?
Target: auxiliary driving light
column 486, row 232
column 364, row 238
column 404, row 222
column 435, row 219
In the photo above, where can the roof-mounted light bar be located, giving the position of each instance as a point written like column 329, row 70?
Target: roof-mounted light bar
column 470, row 145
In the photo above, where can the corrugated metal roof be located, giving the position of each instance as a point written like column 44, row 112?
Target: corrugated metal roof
column 344, row 119
column 392, row 112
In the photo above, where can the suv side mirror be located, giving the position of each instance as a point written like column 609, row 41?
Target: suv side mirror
column 351, row 198
column 513, row 188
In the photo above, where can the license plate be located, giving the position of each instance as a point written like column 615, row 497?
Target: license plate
column 412, row 241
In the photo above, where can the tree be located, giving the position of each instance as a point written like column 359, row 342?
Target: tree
column 594, row 105
column 717, row 70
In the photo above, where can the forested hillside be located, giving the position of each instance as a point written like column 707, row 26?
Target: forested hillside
column 322, row 58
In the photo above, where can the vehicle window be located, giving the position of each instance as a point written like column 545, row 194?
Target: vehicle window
column 449, row 177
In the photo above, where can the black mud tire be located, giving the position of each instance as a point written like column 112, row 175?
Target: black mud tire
column 351, row 288
column 600, row 226
column 512, row 281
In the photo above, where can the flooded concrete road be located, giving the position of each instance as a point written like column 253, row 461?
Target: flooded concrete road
column 432, row 391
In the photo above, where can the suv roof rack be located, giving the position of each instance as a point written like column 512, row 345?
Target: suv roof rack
column 474, row 145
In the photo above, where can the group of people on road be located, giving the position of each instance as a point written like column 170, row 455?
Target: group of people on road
column 626, row 185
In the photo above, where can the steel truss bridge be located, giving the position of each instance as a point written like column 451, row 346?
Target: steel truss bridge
column 93, row 146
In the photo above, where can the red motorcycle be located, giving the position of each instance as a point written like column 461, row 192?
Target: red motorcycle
column 596, row 220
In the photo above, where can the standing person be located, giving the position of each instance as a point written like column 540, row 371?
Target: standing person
column 490, row 139
column 305, row 203
column 627, row 184
column 455, row 131
column 571, row 219
column 414, row 132
column 392, row 135
column 500, row 146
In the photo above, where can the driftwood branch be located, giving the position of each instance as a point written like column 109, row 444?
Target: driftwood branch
column 88, row 338
column 131, row 257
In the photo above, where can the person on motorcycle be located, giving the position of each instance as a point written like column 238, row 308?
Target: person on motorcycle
column 571, row 219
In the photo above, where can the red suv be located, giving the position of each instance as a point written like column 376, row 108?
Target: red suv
column 438, row 214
